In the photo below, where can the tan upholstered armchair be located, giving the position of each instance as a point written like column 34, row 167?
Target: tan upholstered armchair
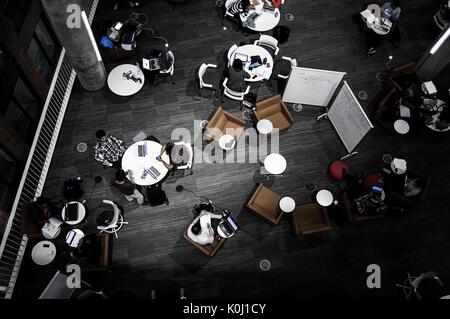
column 223, row 121
column 265, row 203
column 209, row 250
column 274, row 110
column 309, row 218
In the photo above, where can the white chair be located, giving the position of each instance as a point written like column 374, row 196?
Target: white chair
column 238, row 96
column 117, row 221
column 293, row 63
column 213, row 78
column 170, row 70
column 266, row 41
column 191, row 157
column 227, row 13
column 439, row 17
column 411, row 284
column 230, row 53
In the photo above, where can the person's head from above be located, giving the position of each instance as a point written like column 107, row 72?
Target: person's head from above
column 237, row 65
column 179, row 155
column 42, row 203
column 396, row 3
column 246, row 5
column 120, row 176
column 196, row 228
column 101, row 136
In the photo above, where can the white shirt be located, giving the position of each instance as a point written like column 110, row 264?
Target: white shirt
column 206, row 235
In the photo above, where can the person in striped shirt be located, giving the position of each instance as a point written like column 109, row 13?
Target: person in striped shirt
column 108, row 150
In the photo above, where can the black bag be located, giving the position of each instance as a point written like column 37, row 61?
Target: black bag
column 281, row 33
column 156, row 196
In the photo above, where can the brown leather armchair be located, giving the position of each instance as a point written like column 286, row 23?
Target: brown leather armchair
column 309, row 218
column 209, row 250
column 221, row 121
column 398, row 197
column 274, row 110
column 265, row 203
column 104, row 257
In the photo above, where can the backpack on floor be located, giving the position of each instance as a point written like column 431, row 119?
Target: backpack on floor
column 156, row 196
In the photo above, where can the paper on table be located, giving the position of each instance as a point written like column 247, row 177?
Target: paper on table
column 146, row 64
column 405, row 111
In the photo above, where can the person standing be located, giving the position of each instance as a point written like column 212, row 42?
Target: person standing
column 108, row 150
column 126, row 187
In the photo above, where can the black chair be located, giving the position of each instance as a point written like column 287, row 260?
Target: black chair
column 209, row 77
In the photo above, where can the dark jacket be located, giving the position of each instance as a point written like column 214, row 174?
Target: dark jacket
column 236, row 79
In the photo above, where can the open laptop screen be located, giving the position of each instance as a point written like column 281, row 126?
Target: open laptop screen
column 240, row 56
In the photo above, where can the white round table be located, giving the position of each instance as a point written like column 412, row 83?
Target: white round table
column 73, row 237
column 260, row 73
column 43, row 252
column 264, row 126
column 136, row 164
column 265, row 21
column 287, row 204
column 275, row 164
column 401, row 126
column 81, row 214
column 119, row 85
column 324, row 198
column 227, row 142
column 222, row 234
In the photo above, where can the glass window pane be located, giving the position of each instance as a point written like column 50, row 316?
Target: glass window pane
column 39, row 59
column 7, row 167
column 46, row 41
column 15, row 117
column 26, row 99
column 14, row 14
column 7, row 194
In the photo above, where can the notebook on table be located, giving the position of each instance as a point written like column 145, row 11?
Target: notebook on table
column 71, row 212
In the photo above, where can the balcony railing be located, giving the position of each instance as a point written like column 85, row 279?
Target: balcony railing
column 14, row 242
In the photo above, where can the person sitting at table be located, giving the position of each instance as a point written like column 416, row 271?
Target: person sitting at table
column 238, row 7
column 178, row 155
column 390, row 11
column 236, row 76
column 202, row 234
column 108, row 150
column 43, row 209
column 126, row 187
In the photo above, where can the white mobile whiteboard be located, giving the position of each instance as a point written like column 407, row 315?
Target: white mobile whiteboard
column 311, row 86
column 348, row 118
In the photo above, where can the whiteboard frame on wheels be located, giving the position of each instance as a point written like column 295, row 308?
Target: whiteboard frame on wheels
column 311, row 86
column 349, row 119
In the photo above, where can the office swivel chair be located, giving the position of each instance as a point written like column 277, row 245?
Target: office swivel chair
column 113, row 225
column 411, row 284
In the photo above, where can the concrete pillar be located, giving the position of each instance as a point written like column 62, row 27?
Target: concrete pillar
column 73, row 33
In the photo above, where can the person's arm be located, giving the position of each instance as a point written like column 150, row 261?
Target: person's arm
column 119, row 143
column 163, row 149
column 99, row 157
column 168, row 166
column 215, row 216
column 246, row 74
